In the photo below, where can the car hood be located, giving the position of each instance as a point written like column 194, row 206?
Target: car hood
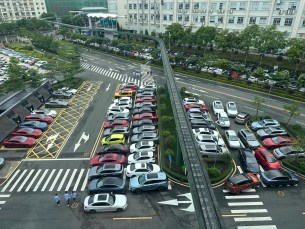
column 130, row 157
column 253, row 167
column 94, row 160
column 107, row 132
column 120, row 200
column 235, row 143
column 134, row 182
column 92, row 184
column 256, row 125
column 253, row 143
column 261, row 132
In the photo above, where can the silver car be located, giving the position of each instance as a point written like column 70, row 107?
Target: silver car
column 232, row 139
column 288, row 151
column 61, row 95
column 56, row 103
column 52, row 113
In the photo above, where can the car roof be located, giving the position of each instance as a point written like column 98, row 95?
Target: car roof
column 208, row 147
column 117, row 136
column 112, row 166
column 276, row 173
column 230, row 132
column 246, row 131
column 151, row 134
column 243, row 114
column 239, row 178
column 159, row 175
column 112, row 180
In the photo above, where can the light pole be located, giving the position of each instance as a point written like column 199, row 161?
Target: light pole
column 169, row 41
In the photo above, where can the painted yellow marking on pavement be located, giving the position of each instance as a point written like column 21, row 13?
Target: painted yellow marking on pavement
column 280, row 193
column 74, row 205
column 97, row 141
column 132, row 218
column 303, row 213
column 234, row 215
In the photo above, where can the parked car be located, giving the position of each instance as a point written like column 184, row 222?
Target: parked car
column 143, row 146
column 106, row 170
column 51, row 113
column 211, row 150
column 144, row 128
column 114, row 123
column 145, row 94
column 151, row 105
column 202, row 107
column 34, row 124
column 146, row 99
column 277, row 177
column 206, row 139
column 276, row 142
column 288, row 151
column 198, row 115
column 199, row 123
column 248, row 160
column 223, row 120
column 151, row 116
column 114, row 185
column 264, row 124
column 270, row 132
column 116, row 109
column 137, row 169
column 231, row 109
column 241, row 182
column 19, row 142
column 232, row 139
column 116, row 130
column 113, row 139
column 149, row 86
column 123, row 93
column 123, row 99
column 144, row 122
column 114, row 148
column 217, row 107
column 27, row 132
column 242, row 118
column 147, row 182
column 142, row 157
column 105, row 203
column 143, row 110
column 192, row 100
column 116, row 116
column 68, row 90
column 56, row 104
column 145, row 136
column 200, row 131
column 267, row 159
column 109, row 158
column 61, row 95
column 248, row 139
column 39, row 117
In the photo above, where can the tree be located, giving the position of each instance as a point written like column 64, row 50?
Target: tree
column 227, row 40
column 301, row 81
column 205, row 36
column 174, row 32
column 49, row 16
column 296, row 51
column 282, row 78
column 259, row 73
column 292, row 109
column 258, row 102
column 223, row 64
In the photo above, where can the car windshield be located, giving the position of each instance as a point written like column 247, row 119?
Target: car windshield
column 233, row 138
column 218, row 106
column 251, row 160
column 100, row 183
column 136, row 156
column 251, row 137
column 223, row 119
column 232, row 108
column 132, row 167
column 271, row 159
column 111, row 199
column 90, row 200
column 268, row 131
column 276, row 140
column 142, row 179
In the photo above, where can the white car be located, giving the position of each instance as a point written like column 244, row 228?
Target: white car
column 200, row 131
column 231, row 109
column 69, row 90
column 142, row 157
column 218, row 71
column 123, row 104
column 211, row 150
column 137, row 169
column 252, row 79
column 142, row 146
column 115, row 109
column 149, row 85
column 223, row 120
column 124, row 98
column 40, row 63
column 232, row 139
column 206, row 139
column 105, row 202
column 217, row 107
column 52, row 113
column 192, row 100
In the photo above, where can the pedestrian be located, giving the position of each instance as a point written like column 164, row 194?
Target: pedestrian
column 73, row 196
column 57, row 199
column 67, row 198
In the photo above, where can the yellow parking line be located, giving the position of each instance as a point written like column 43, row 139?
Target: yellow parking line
column 97, row 141
column 133, row 218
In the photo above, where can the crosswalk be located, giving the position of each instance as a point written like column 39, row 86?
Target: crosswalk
column 39, row 180
column 3, row 198
column 146, row 78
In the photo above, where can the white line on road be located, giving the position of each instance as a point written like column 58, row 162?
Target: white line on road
column 56, row 179
column 63, row 180
column 10, row 181
column 32, row 181
column 25, row 180
column 71, row 179
column 78, row 179
column 242, row 197
column 17, row 181
column 5, row 195
column 41, row 179
column 249, row 211
column 85, row 181
column 2, row 202
column 239, row 169
column 258, row 227
column 251, row 219
column 245, row 204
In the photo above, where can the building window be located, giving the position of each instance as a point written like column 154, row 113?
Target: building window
column 171, row 18
column 220, row 20
column 292, row 5
column 266, row 6
column 164, row 17
column 254, row 5
column 214, row 6
column 180, row 6
column 203, row 6
column 134, row 6
column 202, row 18
column 252, row 20
column 135, row 16
column 196, row 6
column 187, row 18
column 231, row 20
column 303, row 23
column 140, row 6
column 220, row 6
column 276, row 21
column 212, row 19
column 240, row 20
column 288, row 21
column 152, row 6
column 263, row 21
column 233, row 5
column 180, row 17
column 146, row 6
column 187, row 6
column 195, row 18
column 242, row 6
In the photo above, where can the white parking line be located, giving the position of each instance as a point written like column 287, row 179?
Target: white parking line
column 258, row 227
column 239, row 169
column 249, row 211
column 242, row 197
column 251, row 219
column 245, row 204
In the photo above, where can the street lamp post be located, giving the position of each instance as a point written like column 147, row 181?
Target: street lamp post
column 169, row 41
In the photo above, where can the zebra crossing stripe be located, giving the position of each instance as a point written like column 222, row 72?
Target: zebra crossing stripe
column 249, row 211
column 258, row 227
column 242, row 197
column 32, row 181
column 41, row 178
column 2, row 202
column 85, row 181
column 245, row 204
column 25, row 180
column 127, row 80
column 100, row 70
column 78, row 179
column 56, row 179
column 120, row 77
column 19, row 178
column 10, row 181
column 103, row 72
column 251, row 219
column 5, row 195
column 71, row 179
column 108, row 73
column 63, row 180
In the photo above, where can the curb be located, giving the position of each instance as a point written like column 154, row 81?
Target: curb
column 290, row 170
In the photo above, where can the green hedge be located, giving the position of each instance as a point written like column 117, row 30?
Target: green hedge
column 72, row 82
column 297, row 165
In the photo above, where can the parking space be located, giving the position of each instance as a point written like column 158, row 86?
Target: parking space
column 53, row 140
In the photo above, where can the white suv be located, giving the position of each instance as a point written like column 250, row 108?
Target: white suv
column 217, row 107
column 115, row 109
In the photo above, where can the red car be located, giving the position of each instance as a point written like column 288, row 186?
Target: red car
column 240, row 182
column 27, row 132
column 146, row 99
column 150, row 116
column 267, row 159
column 19, row 142
column 276, row 142
column 116, row 122
column 39, row 117
column 203, row 107
column 235, row 75
column 109, row 158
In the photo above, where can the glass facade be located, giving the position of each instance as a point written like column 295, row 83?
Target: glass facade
column 62, row 7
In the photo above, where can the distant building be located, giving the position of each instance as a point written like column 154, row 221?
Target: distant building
column 12, row 10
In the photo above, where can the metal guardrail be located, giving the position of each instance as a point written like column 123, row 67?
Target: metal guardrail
column 204, row 200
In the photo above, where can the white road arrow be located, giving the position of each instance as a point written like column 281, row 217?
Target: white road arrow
column 175, row 202
column 85, row 137
column 108, row 87
column 51, row 139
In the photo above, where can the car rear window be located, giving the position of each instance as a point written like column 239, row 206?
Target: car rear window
column 90, row 200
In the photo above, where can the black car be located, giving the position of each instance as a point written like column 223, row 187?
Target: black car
column 116, row 130
column 106, row 170
column 121, row 116
column 199, row 123
column 248, row 160
column 248, row 138
column 146, row 104
column 271, row 132
column 278, row 177
column 144, row 122
column 242, row 118
column 113, row 148
column 115, row 185
column 143, row 110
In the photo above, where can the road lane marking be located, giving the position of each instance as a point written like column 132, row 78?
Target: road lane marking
column 71, row 179
column 233, row 215
column 17, row 181
column 85, row 181
column 56, row 179
column 251, row 219
column 247, row 190
column 132, row 218
column 10, row 181
column 78, row 179
column 25, row 180
column 41, row 179
column 5, row 195
column 32, row 181
column 239, row 169
column 2, row 202
column 242, row 197
column 57, row 159
column 245, row 204
column 63, row 180
column 249, row 211
column 258, row 227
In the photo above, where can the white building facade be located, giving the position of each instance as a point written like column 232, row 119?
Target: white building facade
column 11, row 10
column 235, row 15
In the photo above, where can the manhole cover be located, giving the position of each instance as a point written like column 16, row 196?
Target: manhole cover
column 74, row 205
column 281, row 193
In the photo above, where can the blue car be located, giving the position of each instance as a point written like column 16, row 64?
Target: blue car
column 34, row 124
column 115, row 185
column 264, row 124
column 147, row 182
column 278, row 177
